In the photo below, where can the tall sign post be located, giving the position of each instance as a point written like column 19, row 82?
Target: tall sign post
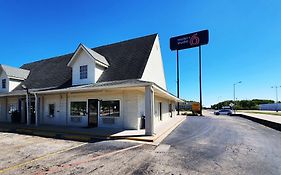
column 196, row 39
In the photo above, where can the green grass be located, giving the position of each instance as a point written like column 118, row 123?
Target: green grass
column 262, row 112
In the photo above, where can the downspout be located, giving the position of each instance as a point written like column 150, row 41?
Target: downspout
column 27, row 108
column 36, row 109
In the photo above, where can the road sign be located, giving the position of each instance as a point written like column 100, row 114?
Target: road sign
column 189, row 40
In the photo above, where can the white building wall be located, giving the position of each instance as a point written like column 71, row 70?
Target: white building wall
column 131, row 110
column 12, row 84
column 100, row 96
column 83, row 59
column 154, row 70
column 166, row 114
column 60, row 110
column 98, row 71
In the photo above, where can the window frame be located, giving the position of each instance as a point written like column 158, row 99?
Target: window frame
column 83, row 72
column 51, row 115
column 84, row 113
column 4, row 82
column 109, row 116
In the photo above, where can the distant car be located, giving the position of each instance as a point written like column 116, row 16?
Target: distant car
column 223, row 112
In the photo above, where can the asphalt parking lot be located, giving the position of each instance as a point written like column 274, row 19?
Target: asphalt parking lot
column 23, row 154
column 200, row 145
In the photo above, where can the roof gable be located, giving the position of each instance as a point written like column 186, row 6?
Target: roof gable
column 127, row 59
column 96, row 56
column 15, row 73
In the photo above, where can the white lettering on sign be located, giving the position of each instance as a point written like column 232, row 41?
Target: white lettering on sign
column 193, row 40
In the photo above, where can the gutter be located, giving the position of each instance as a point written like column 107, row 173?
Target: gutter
column 73, row 89
column 85, row 88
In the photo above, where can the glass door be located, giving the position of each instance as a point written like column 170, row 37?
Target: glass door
column 93, row 113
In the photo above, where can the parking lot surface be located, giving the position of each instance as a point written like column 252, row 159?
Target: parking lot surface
column 200, row 145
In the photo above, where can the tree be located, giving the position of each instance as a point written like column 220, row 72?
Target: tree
column 243, row 104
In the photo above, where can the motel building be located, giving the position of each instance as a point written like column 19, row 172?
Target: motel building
column 120, row 85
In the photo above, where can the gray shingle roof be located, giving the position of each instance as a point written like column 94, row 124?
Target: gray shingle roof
column 16, row 73
column 126, row 59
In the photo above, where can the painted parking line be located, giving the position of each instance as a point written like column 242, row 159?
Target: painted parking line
column 56, row 169
column 39, row 158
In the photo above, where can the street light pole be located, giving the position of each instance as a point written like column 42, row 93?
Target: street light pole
column 276, row 95
column 234, row 98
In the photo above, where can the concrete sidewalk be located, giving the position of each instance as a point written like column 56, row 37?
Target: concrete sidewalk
column 88, row 134
column 267, row 117
column 271, row 121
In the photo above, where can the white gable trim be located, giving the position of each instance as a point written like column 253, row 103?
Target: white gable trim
column 90, row 53
column 154, row 69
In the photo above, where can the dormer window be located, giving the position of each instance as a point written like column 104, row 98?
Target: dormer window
column 87, row 66
column 4, row 84
column 84, row 72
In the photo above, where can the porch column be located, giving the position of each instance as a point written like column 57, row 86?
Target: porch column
column 66, row 109
column 36, row 109
column 149, row 110
column 27, row 110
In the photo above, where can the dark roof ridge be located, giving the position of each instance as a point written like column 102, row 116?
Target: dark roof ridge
column 44, row 59
column 124, row 41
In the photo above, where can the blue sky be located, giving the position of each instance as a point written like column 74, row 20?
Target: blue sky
column 244, row 38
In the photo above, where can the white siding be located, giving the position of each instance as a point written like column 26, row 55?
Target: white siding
column 60, row 110
column 10, row 83
column 98, row 71
column 166, row 114
column 132, row 107
column 154, row 70
column 83, row 59
column 131, row 115
column 13, row 84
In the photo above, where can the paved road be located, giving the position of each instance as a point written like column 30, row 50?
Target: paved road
column 200, row 145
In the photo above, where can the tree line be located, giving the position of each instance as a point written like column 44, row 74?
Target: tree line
column 242, row 104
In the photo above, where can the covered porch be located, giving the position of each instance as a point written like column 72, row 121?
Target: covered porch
column 143, row 105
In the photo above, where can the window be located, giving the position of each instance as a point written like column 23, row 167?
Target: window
column 51, row 110
column 110, row 108
column 78, row 108
column 4, row 84
column 84, row 72
column 12, row 108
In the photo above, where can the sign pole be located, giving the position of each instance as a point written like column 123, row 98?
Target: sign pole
column 191, row 40
column 178, row 81
column 200, row 79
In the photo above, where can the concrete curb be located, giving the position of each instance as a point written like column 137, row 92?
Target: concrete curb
column 270, row 124
column 57, row 135
column 154, row 138
column 84, row 137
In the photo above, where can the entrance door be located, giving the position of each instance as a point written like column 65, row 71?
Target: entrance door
column 92, row 112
